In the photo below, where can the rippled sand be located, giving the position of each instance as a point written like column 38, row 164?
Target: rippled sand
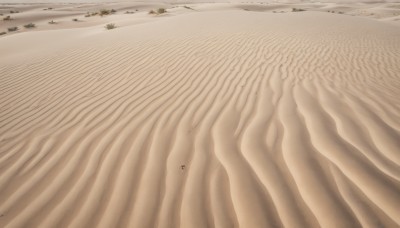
column 213, row 116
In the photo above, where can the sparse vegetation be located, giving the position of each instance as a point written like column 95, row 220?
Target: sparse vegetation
column 13, row 29
column 161, row 11
column 89, row 14
column 187, row 7
column 3, row 33
column 297, row 10
column 75, row 19
column 129, row 12
column 7, row 18
column 106, row 12
column 12, row 11
column 52, row 22
column 110, row 26
column 30, row 25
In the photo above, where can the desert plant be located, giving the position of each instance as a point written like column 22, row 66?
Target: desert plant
column 7, row 18
column 152, row 12
column 75, row 19
column 113, row 11
column 52, row 22
column 161, row 11
column 30, row 25
column 104, row 12
column 3, row 33
column 13, row 29
column 187, row 7
column 110, row 26
column 297, row 10
column 129, row 12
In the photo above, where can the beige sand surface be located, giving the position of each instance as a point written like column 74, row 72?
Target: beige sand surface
column 286, row 119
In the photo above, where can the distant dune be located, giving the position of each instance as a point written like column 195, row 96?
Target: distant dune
column 210, row 115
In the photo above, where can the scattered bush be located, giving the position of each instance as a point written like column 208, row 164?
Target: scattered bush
column 3, row 33
column 129, row 12
column 30, row 25
column 161, row 11
column 7, row 18
column 340, row 12
column 297, row 10
column 106, row 12
column 75, row 19
column 110, row 26
column 52, row 22
column 13, row 29
column 187, row 7
column 12, row 11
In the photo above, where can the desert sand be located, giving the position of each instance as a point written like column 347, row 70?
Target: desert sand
column 209, row 115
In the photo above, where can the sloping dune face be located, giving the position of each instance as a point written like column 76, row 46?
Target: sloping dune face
column 213, row 119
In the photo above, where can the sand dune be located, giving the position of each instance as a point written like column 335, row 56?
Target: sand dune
column 229, row 118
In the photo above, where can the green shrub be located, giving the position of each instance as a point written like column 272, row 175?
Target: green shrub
column 187, row 7
column 297, row 10
column 13, row 29
column 7, row 18
column 30, row 25
column 3, row 33
column 104, row 12
column 110, row 26
column 161, row 11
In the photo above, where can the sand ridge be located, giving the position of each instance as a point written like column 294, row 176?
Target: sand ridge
column 280, row 120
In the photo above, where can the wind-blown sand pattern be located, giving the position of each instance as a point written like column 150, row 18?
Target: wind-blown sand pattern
column 280, row 120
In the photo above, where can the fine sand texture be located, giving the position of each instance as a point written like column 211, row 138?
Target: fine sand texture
column 209, row 115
